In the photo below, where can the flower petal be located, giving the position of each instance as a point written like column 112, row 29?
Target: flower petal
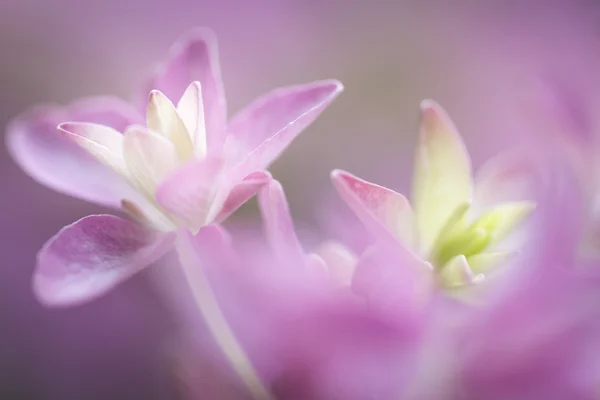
column 510, row 176
column 102, row 142
column 340, row 262
column 60, row 164
column 162, row 117
column 260, row 132
column 149, row 157
column 457, row 272
column 377, row 206
column 279, row 228
column 195, row 57
column 503, row 219
column 88, row 258
column 191, row 110
column 239, row 194
column 189, row 192
column 394, row 282
column 442, row 178
column 482, row 263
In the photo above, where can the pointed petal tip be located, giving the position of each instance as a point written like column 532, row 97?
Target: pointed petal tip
column 193, row 39
column 331, row 86
column 70, row 129
column 429, row 104
column 199, row 34
column 338, row 174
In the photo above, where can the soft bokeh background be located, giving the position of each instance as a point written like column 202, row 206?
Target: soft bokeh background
column 507, row 72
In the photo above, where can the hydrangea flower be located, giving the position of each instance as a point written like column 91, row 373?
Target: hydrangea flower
column 455, row 224
column 186, row 166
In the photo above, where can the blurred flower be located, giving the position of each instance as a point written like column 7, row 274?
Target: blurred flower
column 188, row 167
column 331, row 257
column 440, row 231
column 532, row 335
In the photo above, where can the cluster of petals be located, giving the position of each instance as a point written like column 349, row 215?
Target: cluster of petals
column 185, row 166
column 464, row 293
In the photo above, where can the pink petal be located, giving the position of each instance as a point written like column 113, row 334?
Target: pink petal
column 508, row 177
column 194, row 57
column 377, row 206
column 241, row 193
column 394, row 282
column 60, row 164
column 90, row 257
column 267, row 126
column 279, row 227
column 190, row 191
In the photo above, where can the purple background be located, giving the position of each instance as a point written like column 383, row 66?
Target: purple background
column 505, row 74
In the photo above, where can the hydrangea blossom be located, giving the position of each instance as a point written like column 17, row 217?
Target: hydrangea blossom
column 452, row 229
column 185, row 167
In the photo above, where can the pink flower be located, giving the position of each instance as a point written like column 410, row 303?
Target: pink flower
column 185, row 167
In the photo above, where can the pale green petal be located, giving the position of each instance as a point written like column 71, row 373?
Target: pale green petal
column 503, row 219
column 442, row 179
column 482, row 263
column 457, row 272
column 455, row 224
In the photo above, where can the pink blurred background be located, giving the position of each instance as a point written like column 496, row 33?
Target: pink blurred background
column 507, row 74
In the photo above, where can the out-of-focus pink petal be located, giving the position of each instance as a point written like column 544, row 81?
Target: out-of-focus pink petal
column 506, row 178
column 377, row 207
column 267, row 126
column 189, row 192
column 394, row 282
column 339, row 260
column 62, row 165
column 279, row 227
column 194, row 57
column 88, row 258
column 241, row 193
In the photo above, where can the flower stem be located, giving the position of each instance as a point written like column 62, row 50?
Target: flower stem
column 208, row 305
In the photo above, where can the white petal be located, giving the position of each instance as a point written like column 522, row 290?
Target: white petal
column 102, row 142
column 149, row 158
column 162, row 117
column 191, row 111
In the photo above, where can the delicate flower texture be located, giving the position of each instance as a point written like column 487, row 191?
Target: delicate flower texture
column 456, row 224
column 185, row 167
column 306, row 338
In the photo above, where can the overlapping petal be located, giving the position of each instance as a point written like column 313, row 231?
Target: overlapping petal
column 62, row 165
column 93, row 255
column 377, row 206
column 233, row 197
column 279, row 227
column 442, row 178
column 189, row 192
column 194, row 57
